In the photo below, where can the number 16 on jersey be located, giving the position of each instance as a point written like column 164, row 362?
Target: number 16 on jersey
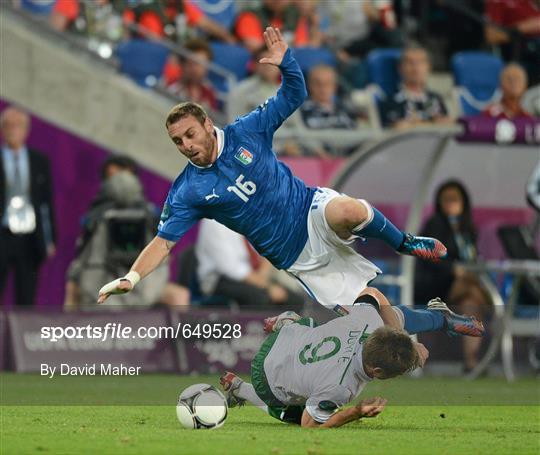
column 243, row 189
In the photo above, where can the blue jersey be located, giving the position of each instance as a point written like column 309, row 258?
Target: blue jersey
column 247, row 189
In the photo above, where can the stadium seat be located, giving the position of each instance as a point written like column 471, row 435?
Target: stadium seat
column 221, row 11
column 142, row 60
column 383, row 70
column 476, row 76
column 230, row 57
column 523, row 318
column 308, row 57
column 38, row 7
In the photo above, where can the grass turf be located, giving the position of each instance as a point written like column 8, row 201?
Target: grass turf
column 75, row 415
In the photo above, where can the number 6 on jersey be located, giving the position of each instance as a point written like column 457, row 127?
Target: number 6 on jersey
column 243, row 189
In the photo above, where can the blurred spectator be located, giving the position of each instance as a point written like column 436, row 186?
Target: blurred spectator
column 253, row 91
column 413, row 104
column 295, row 27
column 521, row 39
column 231, row 268
column 99, row 18
column 513, row 87
column 453, row 225
column 116, row 227
column 323, row 109
column 313, row 20
column 531, row 100
column 193, row 85
column 358, row 27
column 177, row 19
column 27, row 234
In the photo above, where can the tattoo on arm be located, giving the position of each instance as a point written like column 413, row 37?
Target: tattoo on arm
column 169, row 245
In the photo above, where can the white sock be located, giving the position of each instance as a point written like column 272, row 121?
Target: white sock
column 247, row 392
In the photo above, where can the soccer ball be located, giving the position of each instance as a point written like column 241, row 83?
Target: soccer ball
column 201, row 406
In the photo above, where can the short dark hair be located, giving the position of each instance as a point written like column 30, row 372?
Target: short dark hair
column 185, row 109
column 391, row 350
column 122, row 161
column 199, row 45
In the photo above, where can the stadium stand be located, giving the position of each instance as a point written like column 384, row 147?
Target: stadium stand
column 231, row 57
column 383, row 71
column 308, row 57
column 142, row 60
column 38, row 7
column 222, row 11
column 476, row 75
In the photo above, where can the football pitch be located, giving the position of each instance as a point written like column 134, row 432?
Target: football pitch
column 136, row 415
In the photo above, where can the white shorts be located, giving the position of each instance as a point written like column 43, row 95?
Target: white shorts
column 328, row 268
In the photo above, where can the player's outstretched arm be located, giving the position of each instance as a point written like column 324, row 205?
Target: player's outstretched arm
column 291, row 94
column 370, row 407
column 153, row 254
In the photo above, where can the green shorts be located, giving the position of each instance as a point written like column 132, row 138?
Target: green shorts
column 283, row 412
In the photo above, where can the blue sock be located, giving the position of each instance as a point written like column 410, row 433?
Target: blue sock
column 418, row 321
column 381, row 228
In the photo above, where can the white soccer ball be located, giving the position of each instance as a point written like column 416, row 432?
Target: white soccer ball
column 201, row 406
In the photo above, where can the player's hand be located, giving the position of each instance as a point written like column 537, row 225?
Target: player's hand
column 371, row 407
column 423, row 354
column 276, row 46
column 118, row 286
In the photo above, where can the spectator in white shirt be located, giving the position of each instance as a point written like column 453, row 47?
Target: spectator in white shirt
column 229, row 267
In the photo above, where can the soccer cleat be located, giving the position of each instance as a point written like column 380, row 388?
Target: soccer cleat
column 276, row 323
column 423, row 247
column 457, row 324
column 230, row 383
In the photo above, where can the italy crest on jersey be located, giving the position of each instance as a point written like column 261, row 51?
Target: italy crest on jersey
column 244, row 156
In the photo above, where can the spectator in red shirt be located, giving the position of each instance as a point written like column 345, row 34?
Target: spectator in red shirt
column 193, row 85
column 99, row 18
column 281, row 14
column 155, row 15
column 523, row 16
column 513, row 86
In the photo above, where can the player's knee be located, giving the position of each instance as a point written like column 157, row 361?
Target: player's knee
column 352, row 212
column 372, row 296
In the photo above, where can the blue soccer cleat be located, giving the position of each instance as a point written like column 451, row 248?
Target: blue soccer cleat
column 457, row 324
column 423, row 247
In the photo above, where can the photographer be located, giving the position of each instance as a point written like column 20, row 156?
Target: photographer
column 115, row 229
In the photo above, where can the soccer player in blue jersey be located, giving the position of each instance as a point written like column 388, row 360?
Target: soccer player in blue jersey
column 234, row 177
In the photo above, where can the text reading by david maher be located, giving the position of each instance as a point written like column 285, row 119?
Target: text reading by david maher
column 92, row 369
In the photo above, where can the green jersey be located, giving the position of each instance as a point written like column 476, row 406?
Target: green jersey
column 321, row 367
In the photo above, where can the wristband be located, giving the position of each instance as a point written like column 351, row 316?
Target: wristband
column 133, row 277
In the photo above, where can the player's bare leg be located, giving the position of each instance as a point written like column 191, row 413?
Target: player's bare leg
column 348, row 216
column 239, row 391
column 437, row 316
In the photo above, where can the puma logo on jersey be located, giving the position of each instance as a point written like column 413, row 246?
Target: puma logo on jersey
column 211, row 196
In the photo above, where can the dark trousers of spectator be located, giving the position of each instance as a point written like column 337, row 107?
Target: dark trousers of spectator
column 17, row 253
column 247, row 295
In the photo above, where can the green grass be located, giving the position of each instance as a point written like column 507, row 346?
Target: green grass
column 423, row 416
